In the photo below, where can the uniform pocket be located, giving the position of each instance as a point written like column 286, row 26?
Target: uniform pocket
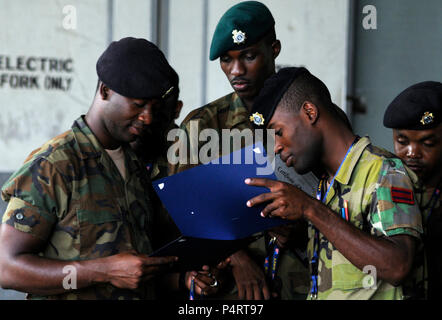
column 345, row 276
column 101, row 231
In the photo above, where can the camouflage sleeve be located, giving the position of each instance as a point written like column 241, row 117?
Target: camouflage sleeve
column 36, row 196
column 197, row 129
column 394, row 208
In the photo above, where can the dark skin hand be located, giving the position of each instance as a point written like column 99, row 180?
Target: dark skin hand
column 249, row 278
column 290, row 236
column 392, row 256
column 23, row 270
column 206, row 279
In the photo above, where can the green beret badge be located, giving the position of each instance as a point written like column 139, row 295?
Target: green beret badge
column 427, row 118
column 257, row 119
column 238, row 36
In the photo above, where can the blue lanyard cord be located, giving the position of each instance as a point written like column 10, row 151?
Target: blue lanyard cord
column 275, row 255
column 314, row 266
column 339, row 169
column 192, row 290
column 315, row 259
column 275, row 261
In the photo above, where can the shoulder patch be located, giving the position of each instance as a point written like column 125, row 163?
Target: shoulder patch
column 401, row 195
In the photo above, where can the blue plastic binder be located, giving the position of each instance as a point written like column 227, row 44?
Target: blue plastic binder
column 209, row 201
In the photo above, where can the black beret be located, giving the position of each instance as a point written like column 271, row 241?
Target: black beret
column 135, row 68
column 416, row 108
column 241, row 26
column 274, row 88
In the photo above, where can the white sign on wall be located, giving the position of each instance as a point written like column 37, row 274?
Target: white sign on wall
column 48, row 51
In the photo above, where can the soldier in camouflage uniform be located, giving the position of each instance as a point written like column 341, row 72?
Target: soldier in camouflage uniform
column 364, row 223
column 246, row 44
column 79, row 220
column 415, row 117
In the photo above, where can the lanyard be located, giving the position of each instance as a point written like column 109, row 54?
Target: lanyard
column 272, row 247
column 315, row 259
column 192, row 290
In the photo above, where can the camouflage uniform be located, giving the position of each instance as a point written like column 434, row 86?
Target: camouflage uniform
column 159, row 169
column 71, row 195
column 419, row 285
column 229, row 112
column 365, row 180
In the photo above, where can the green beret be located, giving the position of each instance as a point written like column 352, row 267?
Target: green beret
column 416, row 108
column 136, row 68
column 241, row 26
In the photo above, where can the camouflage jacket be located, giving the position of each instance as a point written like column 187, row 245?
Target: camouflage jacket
column 70, row 194
column 420, row 284
column 366, row 180
column 229, row 112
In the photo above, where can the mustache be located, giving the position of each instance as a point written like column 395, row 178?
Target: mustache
column 138, row 124
column 415, row 163
column 239, row 79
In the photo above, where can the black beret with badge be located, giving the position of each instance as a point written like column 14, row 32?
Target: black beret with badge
column 416, row 108
column 136, row 68
column 241, row 26
column 271, row 94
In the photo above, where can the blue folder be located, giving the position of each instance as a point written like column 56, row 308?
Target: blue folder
column 209, row 201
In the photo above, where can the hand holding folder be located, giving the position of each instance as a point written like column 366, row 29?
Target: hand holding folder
column 208, row 204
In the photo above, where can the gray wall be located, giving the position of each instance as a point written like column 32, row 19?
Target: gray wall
column 3, row 178
column 405, row 49
column 30, row 116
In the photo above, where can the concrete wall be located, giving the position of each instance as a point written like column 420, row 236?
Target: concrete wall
column 33, row 33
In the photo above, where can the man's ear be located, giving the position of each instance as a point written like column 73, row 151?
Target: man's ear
column 276, row 47
column 104, row 91
column 310, row 111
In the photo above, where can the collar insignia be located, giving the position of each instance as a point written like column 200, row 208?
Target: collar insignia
column 257, row 119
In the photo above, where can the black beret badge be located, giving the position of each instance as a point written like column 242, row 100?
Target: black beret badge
column 427, row 118
column 238, row 36
column 257, row 119
column 167, row 92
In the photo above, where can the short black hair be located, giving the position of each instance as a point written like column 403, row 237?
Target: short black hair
column 307, row 87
